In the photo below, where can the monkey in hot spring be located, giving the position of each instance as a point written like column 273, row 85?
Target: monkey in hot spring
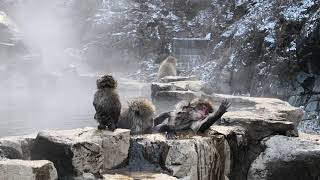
column 107, row 103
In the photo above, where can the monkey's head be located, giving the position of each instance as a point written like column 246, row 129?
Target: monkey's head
column 142, row 108
column 106, row 81
column 196, row 109
column 171, row 59
column 203, row 105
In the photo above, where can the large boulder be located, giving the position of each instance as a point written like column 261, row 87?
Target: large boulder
column 292, row 158
column 190, row 157
column 248, row 121
column 27, row 170
column 82, row 150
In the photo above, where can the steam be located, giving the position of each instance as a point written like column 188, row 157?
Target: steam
column 39, row 92
column 46, row 31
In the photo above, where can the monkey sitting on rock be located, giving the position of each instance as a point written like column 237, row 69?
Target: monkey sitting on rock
column 138, row 116
column 168, row 67
column 107, row 103
column 196, row 115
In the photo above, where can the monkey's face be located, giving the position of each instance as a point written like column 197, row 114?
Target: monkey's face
column 200, row 112
column 106, row 81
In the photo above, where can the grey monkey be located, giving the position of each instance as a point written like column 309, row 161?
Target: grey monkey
column 107, row 103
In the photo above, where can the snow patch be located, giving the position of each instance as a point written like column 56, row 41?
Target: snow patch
column 297, row 12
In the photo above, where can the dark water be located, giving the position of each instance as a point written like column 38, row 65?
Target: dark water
column 28, row 110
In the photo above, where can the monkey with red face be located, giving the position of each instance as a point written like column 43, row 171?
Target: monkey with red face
column 196, row 115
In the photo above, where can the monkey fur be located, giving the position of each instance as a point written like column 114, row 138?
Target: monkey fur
column 196, row 115
column 107, row 103
column 138, row 116
column 168, row 67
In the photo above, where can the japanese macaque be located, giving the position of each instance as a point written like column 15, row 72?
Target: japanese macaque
column 196, row 115
column 168, row 67
column 138, row 116
column 107, row 103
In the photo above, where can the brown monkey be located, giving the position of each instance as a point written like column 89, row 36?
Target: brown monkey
column 168, row 67
column 196, row 115
column 107, row 103
column 138, row 117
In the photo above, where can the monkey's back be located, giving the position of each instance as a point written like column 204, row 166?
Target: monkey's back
column 137, row 116
column 128, row 120
column 107, row 105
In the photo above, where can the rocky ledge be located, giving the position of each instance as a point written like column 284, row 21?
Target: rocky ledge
column 256, row 139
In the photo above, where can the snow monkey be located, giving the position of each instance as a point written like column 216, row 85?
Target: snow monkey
column 107, row 103
column 138, row 116
column 196, row 115
column 168, row 67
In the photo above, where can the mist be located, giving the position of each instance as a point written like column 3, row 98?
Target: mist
column 50, row 83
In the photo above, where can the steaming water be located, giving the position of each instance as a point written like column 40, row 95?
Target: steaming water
column 24, row 111
column 28, row 110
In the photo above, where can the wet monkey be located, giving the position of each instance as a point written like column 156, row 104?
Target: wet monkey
column 197, row 115
column 138, row 116
column 107, row 103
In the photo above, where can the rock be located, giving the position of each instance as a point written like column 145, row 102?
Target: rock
column 288, row 157
column 140, row 176
column 312, row 106
column 298, row 91
column 241, row 153
column 169, row 79
column 302, row 76
column 190, row 157
column 27, row 170
column 309, row 137
column 157, row 88
column 82, row 150
column 269, row 109
column 314, row 98
column 207, row 88
column 298, row 100
column 22, row 144
column 316, row 87
column 248, row 120
column 311, row 124
column 308, row 40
